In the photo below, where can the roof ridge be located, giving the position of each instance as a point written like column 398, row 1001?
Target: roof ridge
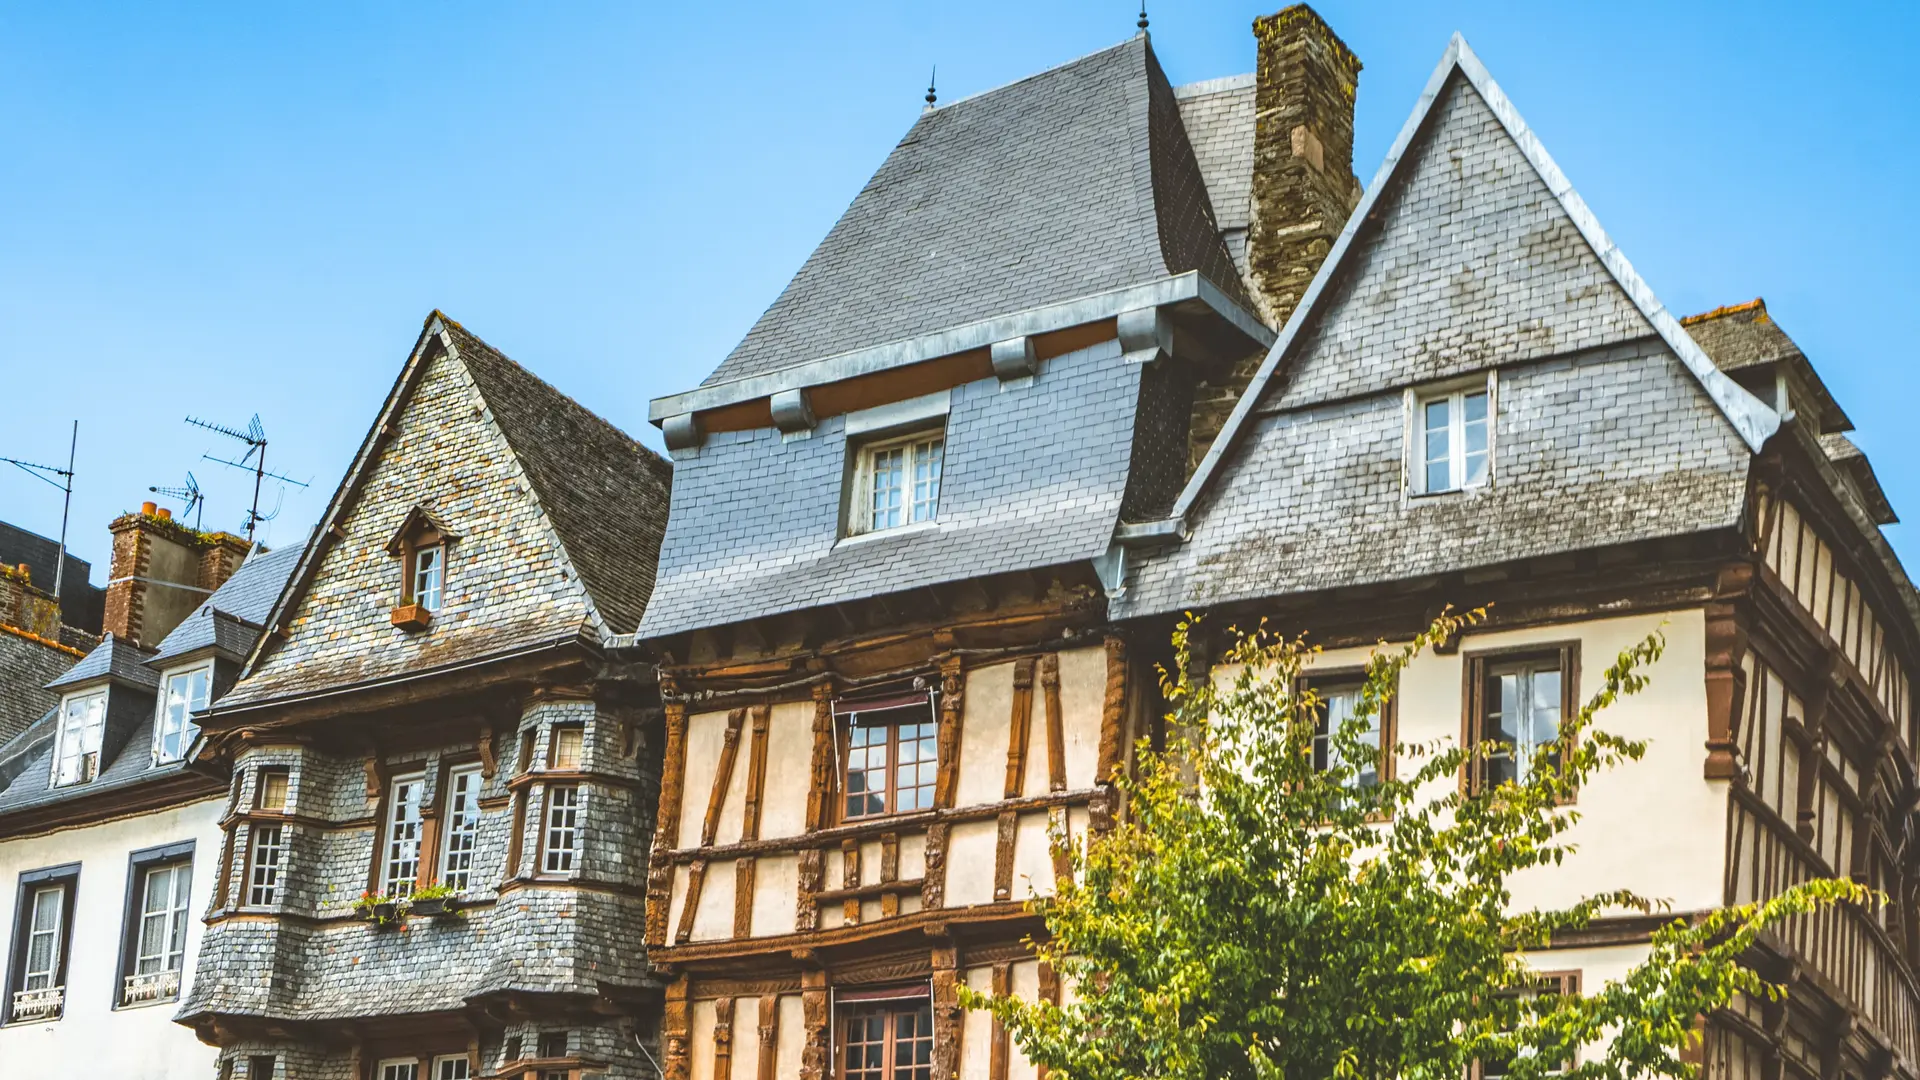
column 1751, row 418
column 1758, row 303
column 1010, row 84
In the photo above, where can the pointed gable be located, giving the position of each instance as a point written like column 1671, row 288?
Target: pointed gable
column 517, row 471
column 1470, row 254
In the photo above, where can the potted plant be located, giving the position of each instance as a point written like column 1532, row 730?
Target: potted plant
column 433, row 900
column 381, row 910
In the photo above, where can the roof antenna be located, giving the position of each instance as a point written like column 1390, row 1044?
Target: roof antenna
column 1142, row 24
column 930, row 94
column 254, row 461
column 190, row 493
column 45, row 474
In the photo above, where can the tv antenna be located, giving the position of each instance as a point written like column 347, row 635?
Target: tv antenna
column 46, row 473
column 254, row 460
column 190, row 493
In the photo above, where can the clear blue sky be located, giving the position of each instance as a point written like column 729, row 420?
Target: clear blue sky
column 240, row 208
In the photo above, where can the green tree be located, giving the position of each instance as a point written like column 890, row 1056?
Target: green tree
column 1253, row 916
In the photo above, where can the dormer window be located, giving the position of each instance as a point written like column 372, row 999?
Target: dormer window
column 182, row 693
column 897, row 482
column 76, row 754
column 1450, row 444
column 421, row 545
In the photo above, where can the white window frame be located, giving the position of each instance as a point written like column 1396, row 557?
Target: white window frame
column 398, row 1069
column 172, row 917
column 164, row 715
column 1455, row 394
column 400, row 835
column 561, row 821
column 463, row 1067
column 73, row 743
column 917, row 449
column 427, row 580
column 461, row 842
column 47, row 977
column 267, row 844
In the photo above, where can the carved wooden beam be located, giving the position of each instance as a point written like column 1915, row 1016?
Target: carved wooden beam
column 889, row 873
column 744, row 871
column 756, row 772
column 806, row 913
column 1058, row 824
column 723, row 1039
column 487, row 761
column 814, row 1064
column 1726, row 647
column 722, row 777
column 998, row 1048
column 1019, row 726
column 696, row 880
column 933, row 891
column 1056, row 723
column 676, row 1030
column 820, row 787
column 850, row 878
column 947, row 1014
column 1113, row 713
column 1049, row 992
column 769, row 1036
column 952, row 685
column 1003, row 855
column 673, row 777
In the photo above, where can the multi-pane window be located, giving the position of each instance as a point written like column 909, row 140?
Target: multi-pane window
column 1452, row 449
column 76, row 756
column 402, row 847
column 891, row 1042
column 562, row 828
column 892, row 755
column 273, row 789
column 1548, row 985
column 463, row 829
column 182, row 694
column 451, row 1067
column 1337, row 706
column 898, row 482
column 1518, row 705
column 429, row 572
column 263, row 868
column 46, row 929
column 400, row 1069
column 163, row 919
column 567, row 745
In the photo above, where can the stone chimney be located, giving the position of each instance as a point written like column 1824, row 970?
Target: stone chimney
column 1303, row 182
column 162, row 570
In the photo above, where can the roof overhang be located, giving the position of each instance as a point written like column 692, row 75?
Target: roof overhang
column 1188, row 293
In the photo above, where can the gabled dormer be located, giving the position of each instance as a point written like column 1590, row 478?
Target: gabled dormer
column 101, row 701
column 421, row 548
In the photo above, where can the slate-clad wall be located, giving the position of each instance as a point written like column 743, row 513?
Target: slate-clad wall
column 1034, row 477
column 27, row 665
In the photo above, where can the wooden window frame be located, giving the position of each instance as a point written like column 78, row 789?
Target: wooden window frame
column 1565, row 981
column 1355, row 677
column 434, row 1063
column 254, row 1061
column 859, row 514
column 848, row 1009
column 546, row 824
column 844, row 723
column 553, row 747
column 247, row 881
column 379, row 880
column 443, row 833
column 1474, row 664
column 161, row 709
column 260, row 778
column 380, row 1067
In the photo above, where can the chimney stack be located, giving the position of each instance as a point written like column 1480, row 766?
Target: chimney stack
column 162, row 570
column 1303, row 183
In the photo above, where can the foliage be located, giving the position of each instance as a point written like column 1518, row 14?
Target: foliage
column 431, row 892
column 370, row 904
column 1254, row 917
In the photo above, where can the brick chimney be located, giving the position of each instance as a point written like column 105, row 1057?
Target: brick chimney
column 1303, row 182
column 162, row 570
column 24, row 606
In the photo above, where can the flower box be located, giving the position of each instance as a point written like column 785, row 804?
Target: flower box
column 411, row 617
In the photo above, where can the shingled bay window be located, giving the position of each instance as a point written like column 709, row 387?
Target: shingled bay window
column 890, row 748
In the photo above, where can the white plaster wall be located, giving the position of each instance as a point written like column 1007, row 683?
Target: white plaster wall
column 986, row 710
column 1083, row 700
column 92, row 1038
column 783, row 805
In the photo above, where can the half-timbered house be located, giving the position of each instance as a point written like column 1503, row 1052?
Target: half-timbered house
column 430, row 859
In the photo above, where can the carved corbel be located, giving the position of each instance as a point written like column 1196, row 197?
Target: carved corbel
column 1726, row 679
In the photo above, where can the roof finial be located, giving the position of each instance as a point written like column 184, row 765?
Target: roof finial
column 1143, row 17
column 931, row 96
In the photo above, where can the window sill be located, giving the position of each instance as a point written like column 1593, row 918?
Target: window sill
column 1422, row 496
column 884, row 534
column 128, row 1006
column 411, row 617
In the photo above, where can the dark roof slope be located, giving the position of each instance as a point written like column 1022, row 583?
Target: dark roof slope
column 27, row 664
column 81, row 604
column 606, row 494
column 1069, row 183
column 232, row 617
column 113, row 659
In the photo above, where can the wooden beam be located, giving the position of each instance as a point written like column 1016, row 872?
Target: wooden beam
column 821, row 785
column 1056, row 723
column 1019, row 726
column 1113, row 713
column 1059, row 824
column 722, row 777
column 756, row 772
column 673, row 777
column 890, row 873
column 814, row 1063
column 1050, row 993
column 723, row 1039
column 947, row 1014
column 806, row 913
column 743, row 885
column 696, row 880
column 850, row 879
column 1726, row 646
column 1003, row 855
column 952, row 687
column 998, row 1048
column 676, row 1031
column 769, row 1036
column 933, row 890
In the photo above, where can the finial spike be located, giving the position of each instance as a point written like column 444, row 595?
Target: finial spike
column 1143, row 16
column 931, row 96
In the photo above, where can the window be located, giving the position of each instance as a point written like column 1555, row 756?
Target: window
column 563, row 828
column 263, row 867
column 76, row 759
column 429, row 568
column 402, row 848
column 451, row 1067
column 157, row 925
column 1516, row 704
column 1339, row 699
column 463, row 829
column 42, row 934
column 567, row 743
column 400, row 1069
column 553, row 1044
column 1550, row 984
column 891, row 753
column 888, row 1042
column 272, row 793
column 1451, row 432
column 260, row 1067
column 897, row 482
column 181, row 695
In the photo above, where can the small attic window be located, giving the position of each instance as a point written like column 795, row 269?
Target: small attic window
column 420, row 545
column 1450, row 440
column 896, row 482
column 76, row 753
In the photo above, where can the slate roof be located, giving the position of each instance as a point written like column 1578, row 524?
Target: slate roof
column 81, row 604
column 231, row 619
column 1219, row 120
column 1072, row 182
column 1740, row 337
column 113, row 659
column 606, row 494
column 27, row 664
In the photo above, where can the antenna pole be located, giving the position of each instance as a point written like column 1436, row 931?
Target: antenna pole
column 60, row 562
column 259, row 474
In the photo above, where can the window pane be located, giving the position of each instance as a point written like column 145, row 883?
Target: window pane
column 427, row 566
column 563, row 827
column 273, row 790
column 566, row 747
column 403, row 837
column 451, row 1068
column 866, row 786
column 1474, row 439
column 888, row 478
column 81, row 720
column 463, row 828
column 43, row 938
column 264, row 881
column 927, row 460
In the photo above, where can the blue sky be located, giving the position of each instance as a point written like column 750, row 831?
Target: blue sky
column 230, row 209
